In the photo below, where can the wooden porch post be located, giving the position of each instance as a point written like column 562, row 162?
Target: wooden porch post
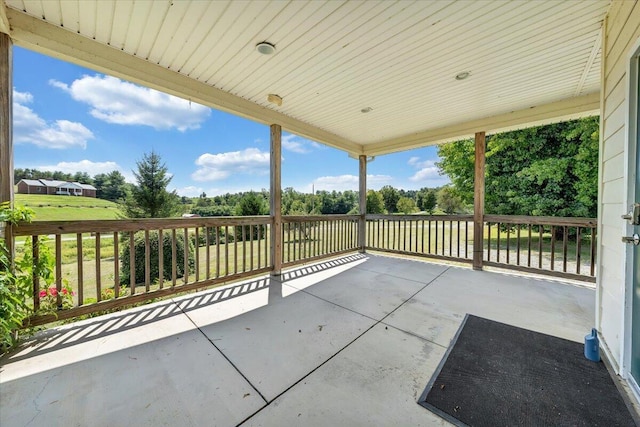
column 478, row 201
column 6, row 124
column 362, row 223
column 276, row 200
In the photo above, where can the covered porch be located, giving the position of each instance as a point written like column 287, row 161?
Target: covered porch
column 347, row 341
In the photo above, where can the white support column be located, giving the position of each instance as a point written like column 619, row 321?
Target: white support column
column 6, row 131
column 362, row 223
column 276, row 200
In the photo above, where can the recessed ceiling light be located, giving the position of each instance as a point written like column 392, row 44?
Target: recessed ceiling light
column 366, row 110
column 463, row 75
column 265, row 48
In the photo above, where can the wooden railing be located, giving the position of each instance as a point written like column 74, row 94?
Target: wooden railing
column 100, row 265
column 447, row 237
column 309, row 238
column 563, row 247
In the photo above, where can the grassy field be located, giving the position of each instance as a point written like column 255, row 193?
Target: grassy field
column 69, row 208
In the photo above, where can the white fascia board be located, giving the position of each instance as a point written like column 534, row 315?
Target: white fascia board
column 38, row 35
column 568, row 109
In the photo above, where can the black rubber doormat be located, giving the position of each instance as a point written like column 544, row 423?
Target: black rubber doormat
column 499, row 375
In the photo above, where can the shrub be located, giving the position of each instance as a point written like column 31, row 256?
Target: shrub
column 139, row 245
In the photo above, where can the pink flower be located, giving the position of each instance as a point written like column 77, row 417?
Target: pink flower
column 64, row 291
column 53, row 291
column 43, row 293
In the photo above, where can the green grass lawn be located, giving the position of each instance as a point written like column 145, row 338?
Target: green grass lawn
column 68, row 208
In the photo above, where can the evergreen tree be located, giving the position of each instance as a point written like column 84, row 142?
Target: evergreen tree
column 149, row 197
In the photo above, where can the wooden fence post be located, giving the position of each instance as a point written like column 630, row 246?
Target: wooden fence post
column 362, row 223
column 276, row 199
column 478, row 201
column 6, row 137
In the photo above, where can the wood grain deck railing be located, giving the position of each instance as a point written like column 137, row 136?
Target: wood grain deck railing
column 446, row 237
column 90, row 256
column 216, row 250
column 309, row 238
column 555, row 246
column 562, row 247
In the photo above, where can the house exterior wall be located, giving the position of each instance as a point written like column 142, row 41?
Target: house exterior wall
column 622, row 30
column 23, row 187
column 88, row 193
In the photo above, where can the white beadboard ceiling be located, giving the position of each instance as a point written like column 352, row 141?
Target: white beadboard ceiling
column 529, row 61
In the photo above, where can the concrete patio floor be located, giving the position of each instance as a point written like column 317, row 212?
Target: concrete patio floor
column 351, row 341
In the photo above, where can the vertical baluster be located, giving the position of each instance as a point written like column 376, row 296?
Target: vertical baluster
column 244, row 248
column 147, row 260
column 98, row 269
column 458, row 242
column 540, row 232
column 429, row 238
column 592, row 253
column 450, row 238
column 59, row 271
column 553, row 247
column 529, row 246
column 116, row 268
column 35, row 253
column 80, row 262
column 207, row 253
column 235, row 250
column 498, row 227
column 174, row 258
column 252, row 230
column 488, row 241
column 578, row 249
column 436, row 239
column 217, row 251
column 466, row 239
column 518, row 244
column 185, row 277
column 226, row 250
column 197, row 253
column 160, row 259
column 508, row 241
column 132, row 263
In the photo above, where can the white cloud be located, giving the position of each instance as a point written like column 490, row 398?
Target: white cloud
column 427, row 170
column 189, row 191
column 219, row 166
column 347, row 182
column 115, row 101
column 92, row 168
column 30, row 128
column 297, row 144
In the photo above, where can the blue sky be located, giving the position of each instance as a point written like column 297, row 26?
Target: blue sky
column 73, row 119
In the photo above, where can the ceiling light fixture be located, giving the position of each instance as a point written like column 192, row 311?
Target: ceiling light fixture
column 265, row 48
column 366, row 110
column 274, row 99
column 463, row 75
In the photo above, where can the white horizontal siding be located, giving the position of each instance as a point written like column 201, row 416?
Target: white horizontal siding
column 623, row 28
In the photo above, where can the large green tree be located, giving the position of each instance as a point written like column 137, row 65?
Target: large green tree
column 546, row 170
column 375, row 203
column 150, row 198
column 426, row 200
column 390, row 196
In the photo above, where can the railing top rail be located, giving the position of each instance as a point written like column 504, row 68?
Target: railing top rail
column 138, row 224
column 542, row 220
column 304, row 218
column 421, row 217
